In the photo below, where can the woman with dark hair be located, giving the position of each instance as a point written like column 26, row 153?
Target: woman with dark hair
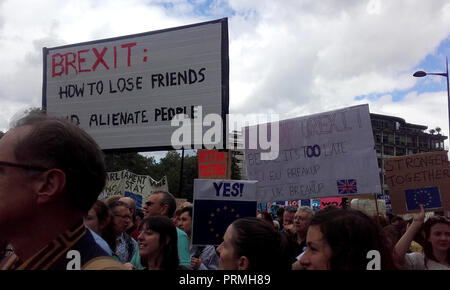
column 157, row 242
column 340, row 239
column 264, row 215
column 254, row 244
column 436, row 245
column 98, row 217
column 96, row 220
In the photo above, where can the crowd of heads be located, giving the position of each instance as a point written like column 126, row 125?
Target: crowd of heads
column 61, row 173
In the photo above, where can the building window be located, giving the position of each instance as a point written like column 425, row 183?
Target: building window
column 409, row 141
column 388, row 138
column 377, row 137
column 378, row 149
column 388, row 150
column 400, row 151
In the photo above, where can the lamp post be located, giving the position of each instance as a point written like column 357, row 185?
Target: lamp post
column 420, row 74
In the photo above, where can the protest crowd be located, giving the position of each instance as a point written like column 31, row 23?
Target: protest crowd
column 51, row 174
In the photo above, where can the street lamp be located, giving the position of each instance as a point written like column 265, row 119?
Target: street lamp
column 420, row 74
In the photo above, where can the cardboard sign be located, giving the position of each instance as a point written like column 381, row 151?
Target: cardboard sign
column 418, row 179
column 125, row 91
column 214, row 164
column 138, row 187
column 217, row 203
column 322, row 155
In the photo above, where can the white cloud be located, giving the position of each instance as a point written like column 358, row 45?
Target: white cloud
column 429, row 109
column 320, row 55
column 288, row 57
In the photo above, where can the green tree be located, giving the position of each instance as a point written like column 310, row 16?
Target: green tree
column 190, row 172
column 133, row 162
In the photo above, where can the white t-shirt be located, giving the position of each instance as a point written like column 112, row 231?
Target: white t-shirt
column 416, row 261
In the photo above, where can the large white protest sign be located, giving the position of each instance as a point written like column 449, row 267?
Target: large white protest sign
column 321, row 155
column 217, row 203
column 138, row 187
column 125, row 91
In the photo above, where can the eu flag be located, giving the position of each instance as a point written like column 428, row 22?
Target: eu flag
column 212, row 217
column 428, row 196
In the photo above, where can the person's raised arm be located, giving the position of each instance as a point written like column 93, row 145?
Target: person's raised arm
column 402, row 246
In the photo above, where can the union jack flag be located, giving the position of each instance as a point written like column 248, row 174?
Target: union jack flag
column 346, row 186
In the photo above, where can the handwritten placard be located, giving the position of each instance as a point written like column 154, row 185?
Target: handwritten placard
column 138, row 187
column 330, row 201
column 214, row 164
column 125, row 91
column 418, row 179
column 322, row 155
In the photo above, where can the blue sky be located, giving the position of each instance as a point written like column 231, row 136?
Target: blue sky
column 432, row 63
column 292, row 57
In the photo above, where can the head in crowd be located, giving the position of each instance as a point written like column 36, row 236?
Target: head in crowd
column 131, row 204
column 339, row 239
column 176, row 217
column 253, row 244
column 185, row 204
column 185, row 223
column 264, row 215
column 52, row 173
column 98, row 217
column 57, row 150
column 280, row 212
column 157, row 242
column 397, row 221
column 121, row 217
column 437, row 237
column 160, row 203
column 380, row 220
column 288, row 215
column 139, row 216
column 112, row 199
column 302, row 218
column 276, row 224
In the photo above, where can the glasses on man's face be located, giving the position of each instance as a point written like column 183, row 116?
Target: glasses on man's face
column 23, row 166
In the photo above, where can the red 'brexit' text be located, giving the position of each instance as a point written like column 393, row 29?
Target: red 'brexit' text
column 76, row 61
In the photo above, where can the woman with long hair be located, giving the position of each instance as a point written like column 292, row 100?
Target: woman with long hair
column 340, row 239
column 97, row 220
column 254, row 244
column 436, row 244
column 157, row 243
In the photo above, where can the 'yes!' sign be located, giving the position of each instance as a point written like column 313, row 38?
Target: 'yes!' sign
column 217, row 203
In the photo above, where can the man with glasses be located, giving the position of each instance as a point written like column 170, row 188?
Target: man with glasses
column 125, row 245
column 51, row 173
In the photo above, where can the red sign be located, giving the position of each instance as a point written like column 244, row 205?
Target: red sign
column 214, row 164
column 333, row 201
